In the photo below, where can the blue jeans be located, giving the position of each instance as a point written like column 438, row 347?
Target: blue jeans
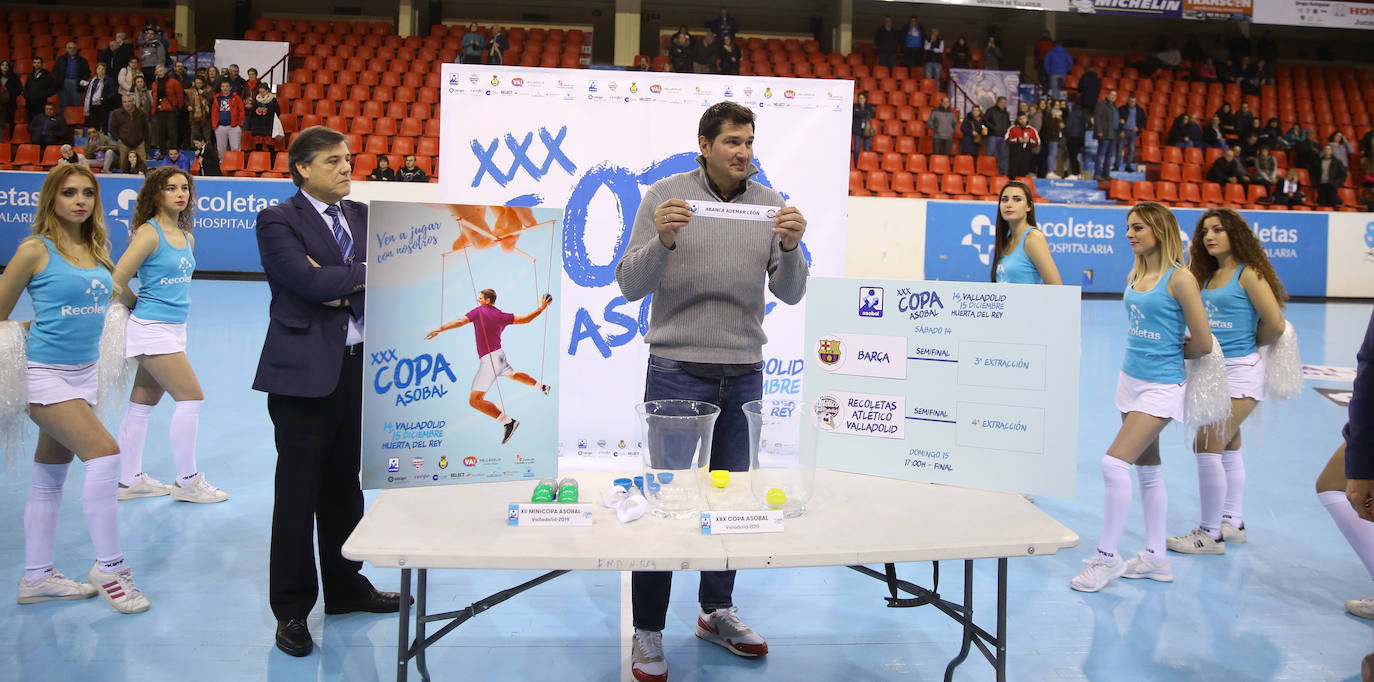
column 933, row 69
column 1128, row 138
column 649, row 590
column 861, row 144
column 1057, row 84
column 70, row 94
column 1051, row 152
column 997, row 148
column 1106, row 151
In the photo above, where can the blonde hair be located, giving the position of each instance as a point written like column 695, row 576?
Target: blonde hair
column 93, row 232
column 1165, row 228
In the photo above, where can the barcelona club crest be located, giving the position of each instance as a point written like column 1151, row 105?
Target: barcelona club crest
column 828, row 351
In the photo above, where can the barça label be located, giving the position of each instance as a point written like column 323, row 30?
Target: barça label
column 718, row 209
column 961, row 383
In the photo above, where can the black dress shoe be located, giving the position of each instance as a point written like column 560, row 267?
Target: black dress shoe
column 293, row 637
column 372, row 602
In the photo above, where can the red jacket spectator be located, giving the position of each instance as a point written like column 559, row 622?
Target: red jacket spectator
column 170, row 95
column 235, row 107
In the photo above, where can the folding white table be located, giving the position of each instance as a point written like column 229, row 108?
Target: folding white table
column 852, row 520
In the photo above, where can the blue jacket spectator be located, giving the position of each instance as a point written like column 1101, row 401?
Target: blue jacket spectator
column 473, row 45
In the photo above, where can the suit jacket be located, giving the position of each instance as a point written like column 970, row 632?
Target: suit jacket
column 1337, row 172
column 305, row 338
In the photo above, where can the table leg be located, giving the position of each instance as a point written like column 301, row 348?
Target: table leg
column 1001, row 642
column 403, row 641
column 420, row 621
column 966, row 621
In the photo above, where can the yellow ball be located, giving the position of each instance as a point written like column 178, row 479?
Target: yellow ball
column 775, row 497
column 720, row 478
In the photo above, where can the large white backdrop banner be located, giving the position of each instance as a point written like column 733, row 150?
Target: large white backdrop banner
column 594, row 141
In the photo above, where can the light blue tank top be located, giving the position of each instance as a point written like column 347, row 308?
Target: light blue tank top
column 1016, row 267
column 1154, row 340
column 69, row 305
column 164, row 281
column 1233, row 317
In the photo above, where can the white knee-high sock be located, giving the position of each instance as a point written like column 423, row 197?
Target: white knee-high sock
column 185, row 425
column 133, row 431
column 40, row 520
column 102, row 516
column 1116, row 478
column 1211, row 486
column 1233, row 509
column 1154, row 499
column 1358, row 532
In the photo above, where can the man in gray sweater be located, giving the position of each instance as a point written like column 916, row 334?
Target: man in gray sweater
column 704, row 244
column 942, row 123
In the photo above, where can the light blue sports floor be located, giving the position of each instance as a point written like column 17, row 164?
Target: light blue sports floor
column 1267, row 610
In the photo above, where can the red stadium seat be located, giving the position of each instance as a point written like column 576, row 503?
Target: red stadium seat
column 963, row 164
column 939, row 164
column 928, row 184
column 903, row 182
column 1166, row 192
column 916, row 163
column 1143, row 190
column 1211, row 194
column 877, row 182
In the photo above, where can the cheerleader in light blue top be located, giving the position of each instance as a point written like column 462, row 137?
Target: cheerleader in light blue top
column 1243, row 298
column 1022, row 255
column 1166, row 323
column 65, row 268
column 161, row 254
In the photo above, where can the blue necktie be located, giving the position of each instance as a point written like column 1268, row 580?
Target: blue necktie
column 341, row 235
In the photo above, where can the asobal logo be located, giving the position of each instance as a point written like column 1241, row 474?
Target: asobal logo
column 981, row 237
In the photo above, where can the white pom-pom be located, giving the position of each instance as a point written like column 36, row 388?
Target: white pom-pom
column 115, row 371
column 14, row 389
column 1283, row 366
column 1207, row 396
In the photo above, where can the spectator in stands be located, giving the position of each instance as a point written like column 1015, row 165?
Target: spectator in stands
column 935, row 54
column 1132, row 122
column 730, row 56
column 170, row 101
column 914, row 43
column 998, row 121
column 1228, row 168
column 127, row 75
column 250, row 86
column 863, row 129
column 119, row 52
column 101, row 94
column 1287, row 191
column 1245, row 121
column 723, row 24
column 1214, row 136
column 383, row 171
column 473, row 45
column 1227, row 118
column 38, row 88
column 12, row 88
column 974, row 131
column 1089, row 88
column 209, row 158
column 1057, row 64
column 1106, row 130
column 497, row 44
column 1035, row 114
column 1178, row 132
column 887, row 40
column 680, row 51
column 227, row 113
column 1250, row 149
column 1366, row 144
column 1272, row 135
column 1226, row 72
column 176, row 158
column 1266, row 168
column 1300, row 144
column 134, row 164
column 1340, row 147
column 129, row 128
column 1252, row 77
column 411, row 172
column 1075, row 132
column 179, row 72
column 1042, row 50
column 1207, row 71
column 199, row 104
column 213, row 77
column 75, row 73
column 706, row 55
column 1193, row 129
column 1023, row 142
column 262, row 112
column 992, row 55
column 236, row 82
column 152, row 52
column 1328, row 175
column 48, row 128
column 143, row 97
column 942, row 123
column 68, row 155
column 1051, row 130
column 959, row 54
column 102, row 149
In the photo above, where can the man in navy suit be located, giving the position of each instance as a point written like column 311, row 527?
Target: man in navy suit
column 314, row 251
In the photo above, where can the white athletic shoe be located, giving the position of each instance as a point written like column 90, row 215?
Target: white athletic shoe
column 119, row 589
column 1097, row 574
column 145, row 486
column 58, row 586
column 1230, row 533
column 199, row 491
column 723, row 627
column 1196, row 542
column 1363, row 608
column 646, row 657
column 1052, row 176
column 1144, row 566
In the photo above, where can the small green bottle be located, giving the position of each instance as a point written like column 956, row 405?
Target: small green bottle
column 567, row 491
column 544, row 491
